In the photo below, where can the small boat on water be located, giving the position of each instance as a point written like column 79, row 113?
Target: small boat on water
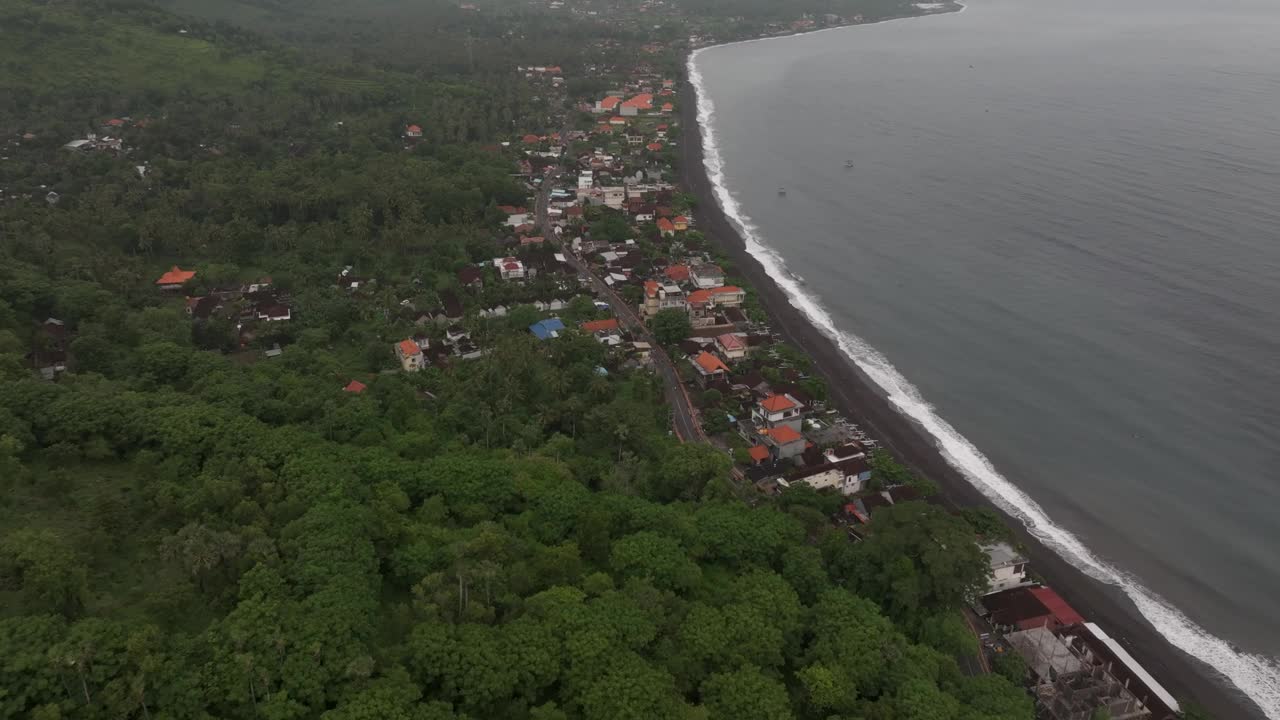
column 848, row 163
column 782, row 191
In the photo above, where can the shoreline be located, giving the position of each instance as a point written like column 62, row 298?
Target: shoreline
column 859, row 399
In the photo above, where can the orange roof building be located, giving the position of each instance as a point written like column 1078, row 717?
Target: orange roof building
column 595, row 326
column 758, row 453
column 677, row 273
column 782, row 435
column 355, row 386
column 409, row 347
column 709, row 365
column 175, row 277
column 665, row 227
column 609, row 103
column 777, row 403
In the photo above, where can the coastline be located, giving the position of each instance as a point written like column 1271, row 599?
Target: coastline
column 857, row 396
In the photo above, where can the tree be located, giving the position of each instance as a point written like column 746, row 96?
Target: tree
column 658, row 558
column 671, row 326
column 919, row 560
column 47, row 569
column 745, row 694
column 631, row 689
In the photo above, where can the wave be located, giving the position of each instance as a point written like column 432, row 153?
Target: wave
column 1257, row 676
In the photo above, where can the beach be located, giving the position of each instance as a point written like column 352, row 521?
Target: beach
column 858, row 398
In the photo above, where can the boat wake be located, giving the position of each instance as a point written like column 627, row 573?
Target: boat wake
column 1257, row 676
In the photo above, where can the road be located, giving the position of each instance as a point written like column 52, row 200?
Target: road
column 684, row 418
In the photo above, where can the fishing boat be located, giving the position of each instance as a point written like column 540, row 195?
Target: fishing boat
column 782, row 191
column 848, row 163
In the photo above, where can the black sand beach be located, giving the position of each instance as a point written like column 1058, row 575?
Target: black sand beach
column 860, row 400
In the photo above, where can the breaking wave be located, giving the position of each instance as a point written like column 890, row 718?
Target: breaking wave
column 1257, row 676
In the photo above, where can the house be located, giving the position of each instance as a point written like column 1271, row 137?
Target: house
column 667, row 108
column 758, row 454
column 847, row 477
column 666, row 228
column 728, row 296
column 273, row 312
column 617, row 121
column 615, row 196
column 661, row 296
column 535, row 240
column 681, row 222
column 530, row 139
column 608, row 104
column 677, row 273
column 641, row 350
column 413, row 131
column 731, row 346
column 783, row 441
column 355, row 387
column 409, row 355
column 706, row 275
column 175, row 278
column 1028, row 607
column 635, row 105
column 547, row 329
column 1008, row 567
column 509, row 268
column 775, row 411
column 654, row 147
column 595, row 326
column 471, row 277
column 710, row 368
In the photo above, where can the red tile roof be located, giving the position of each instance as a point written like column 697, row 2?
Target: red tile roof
column 682, row 219
column 783, row 434
column 598, row 325
column 414, row 129
column 759, row 453
column 610, row 102
column 665, row 225
column 777, row 403
column 531, row 139
column 710, row 363
column 668, row 107
column 699, row 297
column 617, row 120
column 1063, row 612
column 409, row 347
column 655, row 147
column 176, row 276
column 651, row 288
column 729, row 341
column 643, row 101
column 679, row 273
column 727, row 290
column 355, row 386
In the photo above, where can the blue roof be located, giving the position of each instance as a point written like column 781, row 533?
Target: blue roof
column 545, row 329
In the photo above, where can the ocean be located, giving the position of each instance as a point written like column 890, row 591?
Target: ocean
column 1057, row 249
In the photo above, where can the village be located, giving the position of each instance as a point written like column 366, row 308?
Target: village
column 607, row 245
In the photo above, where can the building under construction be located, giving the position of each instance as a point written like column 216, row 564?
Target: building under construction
column 1079, row 670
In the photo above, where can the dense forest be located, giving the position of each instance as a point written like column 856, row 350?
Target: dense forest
column 191, row 530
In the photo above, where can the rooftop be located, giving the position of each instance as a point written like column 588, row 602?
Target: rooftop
column 777, row 403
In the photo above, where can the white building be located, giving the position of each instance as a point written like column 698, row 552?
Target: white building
column 615, row 196
column 1008, row 567
column 706, row 276
column 847, row 477
column 509, row 268
column 778, row 410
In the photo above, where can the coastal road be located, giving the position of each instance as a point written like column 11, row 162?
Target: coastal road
column 684, row 418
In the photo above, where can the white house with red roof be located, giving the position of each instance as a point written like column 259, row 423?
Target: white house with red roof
column 777, row 411
column 661, row 296
column 413, row 131
column 510, row 268
column 732, row 346
column 709, row 368
column 410, row 355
